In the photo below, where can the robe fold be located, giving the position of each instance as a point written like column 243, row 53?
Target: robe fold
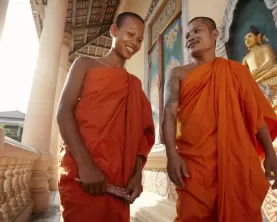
column 221, row 108
column 115, row 122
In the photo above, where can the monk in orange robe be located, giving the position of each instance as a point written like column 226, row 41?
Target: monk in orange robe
column 220, row 122
column 106, row 123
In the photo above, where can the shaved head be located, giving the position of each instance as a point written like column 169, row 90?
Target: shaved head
column 201, row 37
column 205, row 20
column 124, row 15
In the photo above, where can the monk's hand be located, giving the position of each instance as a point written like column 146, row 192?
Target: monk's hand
column 270, row 165
column 134, row 187
column 92, row 178
column 118, row 192
column 176, row 169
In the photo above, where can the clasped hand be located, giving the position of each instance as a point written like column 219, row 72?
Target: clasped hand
column 93, row 182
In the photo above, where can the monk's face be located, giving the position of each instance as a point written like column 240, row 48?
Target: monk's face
column 250, row 40
column 127, row 38
column 200, row 38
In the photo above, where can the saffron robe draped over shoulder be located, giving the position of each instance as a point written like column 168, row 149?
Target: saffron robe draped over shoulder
column 115, row 122
column 221, row 108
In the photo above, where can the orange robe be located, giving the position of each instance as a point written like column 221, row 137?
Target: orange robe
column 221, row 109
column 115, row 122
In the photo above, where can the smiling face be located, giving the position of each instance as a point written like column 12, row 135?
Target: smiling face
column 200, row 38
column 127, row 38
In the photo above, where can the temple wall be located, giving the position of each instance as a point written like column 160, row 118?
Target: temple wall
column 212, row 8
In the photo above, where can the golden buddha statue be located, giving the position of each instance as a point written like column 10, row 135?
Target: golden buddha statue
column 261, row 59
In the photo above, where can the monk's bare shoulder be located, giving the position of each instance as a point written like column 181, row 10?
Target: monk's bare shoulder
column 180, row 72
column 172, row 85
column 81, row 65
column 87, row 62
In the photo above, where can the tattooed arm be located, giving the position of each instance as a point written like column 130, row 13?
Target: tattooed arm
column 171, row 104
column 176, row 166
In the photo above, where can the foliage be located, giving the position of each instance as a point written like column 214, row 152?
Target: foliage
column 11, row 133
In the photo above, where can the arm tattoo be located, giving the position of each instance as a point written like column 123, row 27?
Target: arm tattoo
column 172, row 88
column 171, row 103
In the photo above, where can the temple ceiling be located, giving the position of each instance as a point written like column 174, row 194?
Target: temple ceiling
column 89, row 22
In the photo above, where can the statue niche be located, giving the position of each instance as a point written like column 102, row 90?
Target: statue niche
column 261, row 58
column 261, row 61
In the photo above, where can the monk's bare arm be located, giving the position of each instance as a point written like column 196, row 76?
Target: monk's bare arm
column 264, row 139
column 171, row 104
column 65, row 113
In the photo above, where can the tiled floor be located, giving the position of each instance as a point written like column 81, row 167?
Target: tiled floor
column 53, row 214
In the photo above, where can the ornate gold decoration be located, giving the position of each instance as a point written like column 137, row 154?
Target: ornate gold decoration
column 167, row 12
column 171, row 37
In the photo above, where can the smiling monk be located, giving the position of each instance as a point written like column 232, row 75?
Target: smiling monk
column 106, row 122
column 224, row 123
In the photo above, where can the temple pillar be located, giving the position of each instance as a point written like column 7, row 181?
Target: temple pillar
column 55, row 135
column 38, row 122
column 3, row 12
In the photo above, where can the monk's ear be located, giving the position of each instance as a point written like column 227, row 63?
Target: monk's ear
column 113, row 30
column 215, row 34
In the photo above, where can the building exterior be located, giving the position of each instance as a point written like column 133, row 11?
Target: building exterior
column 13, row 122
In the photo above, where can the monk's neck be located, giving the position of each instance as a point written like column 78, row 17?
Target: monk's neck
column 204, row 58
column 114, row 59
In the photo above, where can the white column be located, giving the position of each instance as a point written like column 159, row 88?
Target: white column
column 38, row 122
column 55, row 135
column 184, row 22
column 3, row 11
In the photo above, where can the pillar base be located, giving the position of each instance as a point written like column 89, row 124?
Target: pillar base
column 40, row 186
column 53, row 185
column 41, row 201
column 53, row 171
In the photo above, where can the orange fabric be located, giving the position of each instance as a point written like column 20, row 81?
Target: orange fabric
column 221, row 109
column 115, row 122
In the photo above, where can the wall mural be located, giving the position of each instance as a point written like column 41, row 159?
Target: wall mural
column 154, row 89
column 169, row 10
column 172, row 48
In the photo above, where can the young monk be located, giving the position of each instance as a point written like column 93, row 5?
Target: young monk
column 224, row 123
column 106, row 123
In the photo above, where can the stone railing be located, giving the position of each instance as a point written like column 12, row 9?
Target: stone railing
column 160, row 191
column 16, row 166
